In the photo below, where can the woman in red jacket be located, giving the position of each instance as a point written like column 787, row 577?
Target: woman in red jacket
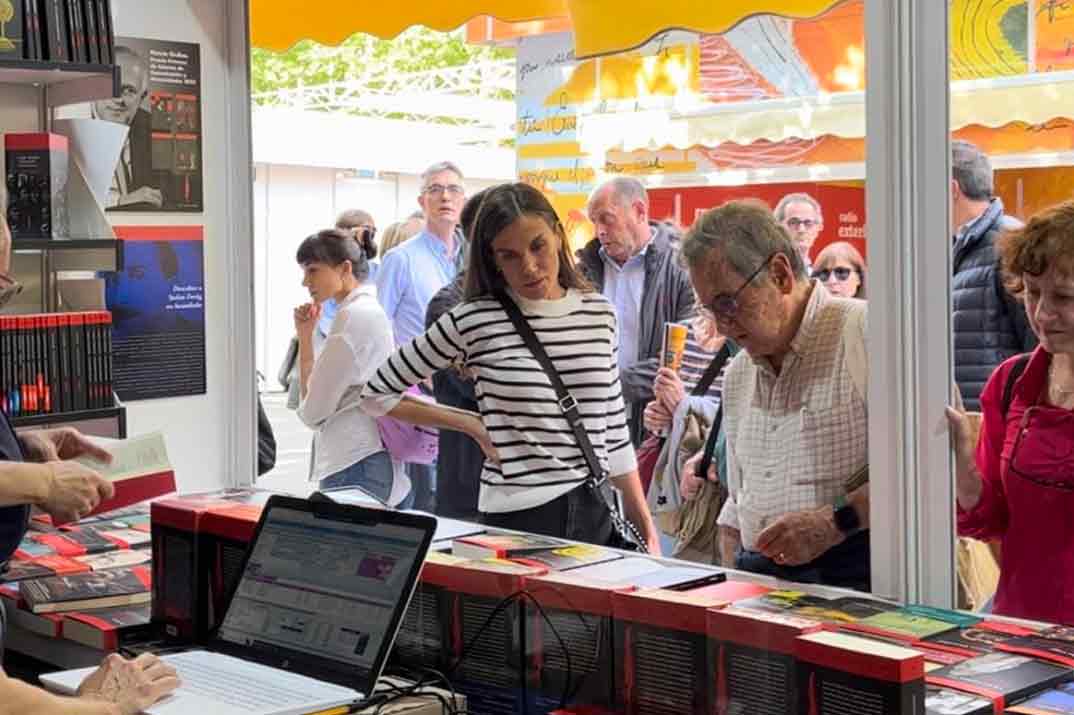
column 1016, row 483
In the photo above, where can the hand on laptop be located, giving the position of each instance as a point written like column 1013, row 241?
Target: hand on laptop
column 132, row 685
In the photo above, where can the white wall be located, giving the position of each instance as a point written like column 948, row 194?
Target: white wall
column 290, row 203
column 210, row 437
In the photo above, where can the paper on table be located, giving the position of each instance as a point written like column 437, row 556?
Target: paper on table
column 136, row 456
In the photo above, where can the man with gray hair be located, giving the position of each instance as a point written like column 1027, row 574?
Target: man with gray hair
column 411, row 274
column 800, row 214
column 635, row 263
column 989, row 324
column 795, row 410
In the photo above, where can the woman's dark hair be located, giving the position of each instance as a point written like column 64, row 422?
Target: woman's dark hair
column 500, row 207
column 333, row 246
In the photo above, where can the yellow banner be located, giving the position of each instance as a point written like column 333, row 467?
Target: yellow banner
column 600, row 26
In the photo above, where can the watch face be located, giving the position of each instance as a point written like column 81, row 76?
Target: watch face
column 846, row 519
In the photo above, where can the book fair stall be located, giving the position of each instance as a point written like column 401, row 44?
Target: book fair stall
column 387, row 610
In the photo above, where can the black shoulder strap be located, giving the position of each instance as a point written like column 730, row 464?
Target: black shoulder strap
column 710, row 444
column 1012, row 377
column 566, row 401
column 713, row 370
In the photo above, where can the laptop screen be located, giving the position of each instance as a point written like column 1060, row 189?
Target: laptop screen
column 323, row 594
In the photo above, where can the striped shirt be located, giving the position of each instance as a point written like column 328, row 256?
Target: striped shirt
column 539, row 458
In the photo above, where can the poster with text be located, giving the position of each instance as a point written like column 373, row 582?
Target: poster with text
column 160, row 168
column 157, row 301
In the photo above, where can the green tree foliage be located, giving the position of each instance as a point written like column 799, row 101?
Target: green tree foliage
column 363, row 57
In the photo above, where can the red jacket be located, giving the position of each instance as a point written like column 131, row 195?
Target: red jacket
column 1034, row 521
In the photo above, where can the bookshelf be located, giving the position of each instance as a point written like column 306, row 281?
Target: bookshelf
column 62, row 82
column 109, row 416
column 32, row 90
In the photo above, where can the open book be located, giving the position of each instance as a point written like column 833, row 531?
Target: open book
column 140, row 470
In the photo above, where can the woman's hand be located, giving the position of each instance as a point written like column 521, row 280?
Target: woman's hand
column 689, row 483
column 306, row 317
column 656, row 418
column 476, row 429
column 964, row 444
column 669, row 389
column 133, row 685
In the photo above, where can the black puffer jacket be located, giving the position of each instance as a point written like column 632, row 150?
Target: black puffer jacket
column 666, row 297
column 989, row 324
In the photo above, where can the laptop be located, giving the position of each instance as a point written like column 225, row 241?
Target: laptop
column 309, row 625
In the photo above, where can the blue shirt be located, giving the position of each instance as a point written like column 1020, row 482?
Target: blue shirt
column 623, row 286
column 408, row 278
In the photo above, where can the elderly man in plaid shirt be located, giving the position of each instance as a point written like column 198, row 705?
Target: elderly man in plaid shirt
column 796, row 416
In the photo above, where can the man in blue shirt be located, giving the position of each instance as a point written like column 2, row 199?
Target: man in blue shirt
column 413, row 272
column 635, row 263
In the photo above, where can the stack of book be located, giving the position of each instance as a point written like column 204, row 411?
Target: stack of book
column 78, row 31
column 87, row 582
column 55, row 363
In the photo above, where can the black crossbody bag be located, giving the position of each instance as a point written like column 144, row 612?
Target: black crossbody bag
column 624, row 534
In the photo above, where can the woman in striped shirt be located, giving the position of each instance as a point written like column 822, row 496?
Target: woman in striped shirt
column 534, row 474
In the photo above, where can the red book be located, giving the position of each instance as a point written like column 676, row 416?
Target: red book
column 108, row 628
column 881, row 679
column 41, row 567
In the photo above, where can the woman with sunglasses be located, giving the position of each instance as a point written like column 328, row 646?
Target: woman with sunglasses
column 535, row 477
column 841, row 269
column 1015, row 483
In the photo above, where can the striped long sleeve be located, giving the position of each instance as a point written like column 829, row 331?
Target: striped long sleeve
column 540, row 459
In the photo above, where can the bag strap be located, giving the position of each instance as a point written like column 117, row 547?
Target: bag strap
column 712, row 371
column 1012, row 377
column 710, row 445
column 566, row 401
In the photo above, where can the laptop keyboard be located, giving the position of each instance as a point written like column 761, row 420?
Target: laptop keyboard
column 246, row 685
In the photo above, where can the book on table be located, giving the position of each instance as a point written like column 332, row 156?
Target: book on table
column 1004, row 678
column 108, row 628
column 96, row 589
column 502, row 546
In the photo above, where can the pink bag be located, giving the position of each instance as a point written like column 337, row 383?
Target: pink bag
column 407, row 442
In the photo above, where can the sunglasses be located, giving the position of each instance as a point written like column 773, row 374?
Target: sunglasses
column 841, row 274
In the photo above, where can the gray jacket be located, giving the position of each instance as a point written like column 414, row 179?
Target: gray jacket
column 666, row 297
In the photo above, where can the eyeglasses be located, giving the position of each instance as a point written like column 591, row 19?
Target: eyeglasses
column 841, row 273
column 803, row 223
column 725, row 307
column 1049, row 459
column 452, row 190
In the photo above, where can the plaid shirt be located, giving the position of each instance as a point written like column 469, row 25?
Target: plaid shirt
column 793, row 438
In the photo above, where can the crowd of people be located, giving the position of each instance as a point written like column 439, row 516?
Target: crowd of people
column 782, row 485
column 539, row 370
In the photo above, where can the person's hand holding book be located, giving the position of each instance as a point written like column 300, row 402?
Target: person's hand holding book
column 73, row 490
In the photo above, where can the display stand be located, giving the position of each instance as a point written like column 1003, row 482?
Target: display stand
column 45, row 86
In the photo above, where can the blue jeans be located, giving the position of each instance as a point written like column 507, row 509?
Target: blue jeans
column 373, row 474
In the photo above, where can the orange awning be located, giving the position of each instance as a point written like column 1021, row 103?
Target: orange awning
column 600, row 26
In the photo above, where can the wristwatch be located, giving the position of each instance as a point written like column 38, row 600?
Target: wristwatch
column 845, row 516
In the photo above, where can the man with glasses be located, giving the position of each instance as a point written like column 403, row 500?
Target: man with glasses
column 412, row 273
column 800, row 214
column 132, row 183
column 796, row 417
column 989, row 324
column 634, row 262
